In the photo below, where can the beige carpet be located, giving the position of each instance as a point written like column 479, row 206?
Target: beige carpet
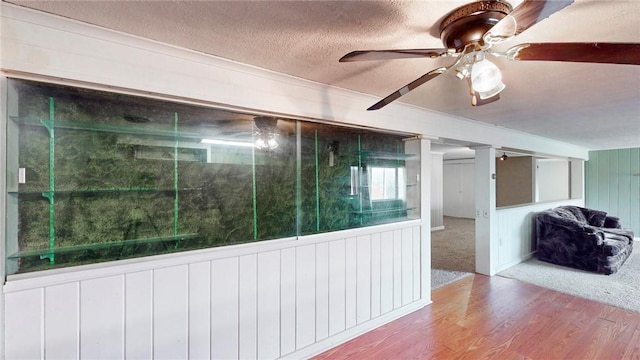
column 621, row 289
column 453, row 251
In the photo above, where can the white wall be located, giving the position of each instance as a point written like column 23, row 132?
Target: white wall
column 577, row 179
column 552, row 180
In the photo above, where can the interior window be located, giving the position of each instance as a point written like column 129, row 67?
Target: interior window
column 94, row 176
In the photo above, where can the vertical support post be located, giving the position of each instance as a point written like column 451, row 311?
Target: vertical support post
column 50, row 195
column 175, row 178
column 254, row 192
column 397, row 179
column 420, row 200
column 298, row 178
column 360, row 180
column 7, row 98
column 437, row 187
column 425, row 216
column 9, row 203
column 317, row 185
column 487, row 242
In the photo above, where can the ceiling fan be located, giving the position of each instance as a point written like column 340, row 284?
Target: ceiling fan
column 468, row 33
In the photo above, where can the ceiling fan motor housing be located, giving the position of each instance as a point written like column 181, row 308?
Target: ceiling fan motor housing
column 468, row 23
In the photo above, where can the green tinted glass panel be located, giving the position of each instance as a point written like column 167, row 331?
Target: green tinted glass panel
column 336, row 168
column 95, row 176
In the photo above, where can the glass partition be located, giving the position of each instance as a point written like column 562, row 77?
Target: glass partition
column 95, row 176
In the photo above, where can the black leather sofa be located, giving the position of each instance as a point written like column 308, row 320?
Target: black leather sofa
column 582, row 238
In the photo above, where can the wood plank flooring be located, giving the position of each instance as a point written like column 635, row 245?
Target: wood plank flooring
column 483, row 317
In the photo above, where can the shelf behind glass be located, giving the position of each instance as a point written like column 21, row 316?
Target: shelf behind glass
column 98, row 246
column 380, row 211
column 384, row 155
column 368, row 186
column 122, row 129
column 101, row 191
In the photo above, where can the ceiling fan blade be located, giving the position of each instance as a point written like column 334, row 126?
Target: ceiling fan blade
column 605, row 53
column 525, row 15
column 405, row 89
column 363, row 55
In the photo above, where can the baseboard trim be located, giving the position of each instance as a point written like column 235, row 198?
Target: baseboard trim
column 515, row 262
column 437, row 228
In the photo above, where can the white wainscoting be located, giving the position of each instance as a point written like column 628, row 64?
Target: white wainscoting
column 285, row 298
column 515, row 229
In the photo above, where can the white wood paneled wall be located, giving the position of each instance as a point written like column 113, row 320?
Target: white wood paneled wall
column 293, row 298
column 515, row 231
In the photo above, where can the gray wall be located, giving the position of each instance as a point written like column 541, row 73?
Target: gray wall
column 514, row 182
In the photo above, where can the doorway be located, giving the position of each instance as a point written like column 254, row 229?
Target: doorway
column 453, row 213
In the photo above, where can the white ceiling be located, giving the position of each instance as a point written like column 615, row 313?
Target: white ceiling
column 592, row 105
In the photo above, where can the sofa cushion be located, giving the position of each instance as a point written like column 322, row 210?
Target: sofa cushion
column 622, row 234
column 570, row 213
column 583, row 215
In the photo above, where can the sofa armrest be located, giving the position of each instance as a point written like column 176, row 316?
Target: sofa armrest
column 627, row 233
column 612, row 222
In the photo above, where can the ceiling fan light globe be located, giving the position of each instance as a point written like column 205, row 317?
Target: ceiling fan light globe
column 491, row 93
column 272, row 143
column 486, row 79
column 485, row 76
column 260, row 143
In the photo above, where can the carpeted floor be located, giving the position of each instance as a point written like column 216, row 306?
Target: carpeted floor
column 452, row 251
column 621, row 289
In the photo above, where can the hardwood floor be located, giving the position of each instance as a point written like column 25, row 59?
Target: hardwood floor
column 483, row 317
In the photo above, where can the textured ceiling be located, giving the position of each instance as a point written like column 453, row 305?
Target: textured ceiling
column 592, row 105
